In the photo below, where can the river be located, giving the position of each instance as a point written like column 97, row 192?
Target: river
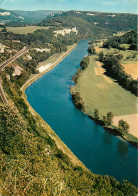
column 101, row 152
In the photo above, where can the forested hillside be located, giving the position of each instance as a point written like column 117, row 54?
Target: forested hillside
column 32, row 164
column 113, row 21
column 86, row 29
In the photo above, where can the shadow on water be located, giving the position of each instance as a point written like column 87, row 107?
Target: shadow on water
column 107, row 138
column 122, row 147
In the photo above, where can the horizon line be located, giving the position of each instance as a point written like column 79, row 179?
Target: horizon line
column 69, row 10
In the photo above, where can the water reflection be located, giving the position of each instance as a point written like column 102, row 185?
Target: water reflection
column 122, row 148
column 107, row 138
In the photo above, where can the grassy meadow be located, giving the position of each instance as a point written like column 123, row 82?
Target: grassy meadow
column 129, row 60
column 25, row 30
column 101, row 92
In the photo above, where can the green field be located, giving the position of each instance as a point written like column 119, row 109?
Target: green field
column 25, row 30
column 103, row 93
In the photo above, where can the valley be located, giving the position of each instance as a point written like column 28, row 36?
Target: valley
column 48, row 146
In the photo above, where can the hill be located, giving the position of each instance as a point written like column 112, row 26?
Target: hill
column 85, row 28
column 35, row 16
column 113, row 21
column 11, row 18
column 21, row 18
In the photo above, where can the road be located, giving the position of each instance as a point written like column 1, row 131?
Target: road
column 6, row 63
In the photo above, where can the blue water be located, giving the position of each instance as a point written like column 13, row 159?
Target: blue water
column 101, row 152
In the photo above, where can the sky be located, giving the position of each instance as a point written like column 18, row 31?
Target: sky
column 123, row 6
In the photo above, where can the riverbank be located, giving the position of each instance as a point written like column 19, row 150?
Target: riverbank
column 47, row 69
column 50, row 97
column 93, row 91
column 51, row 133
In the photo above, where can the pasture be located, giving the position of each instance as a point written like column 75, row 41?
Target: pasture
column 101, row 92
column 25, row 30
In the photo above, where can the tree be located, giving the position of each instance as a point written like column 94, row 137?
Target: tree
column 85, row 62
column 109, row 118
column 101, row 56
column 123, row 126
column 91, row 49
column 96, row 114
column 119, row 56
column 105, row 120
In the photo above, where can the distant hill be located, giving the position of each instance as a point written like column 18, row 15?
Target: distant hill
column 113, row 21
column 35, row 16
column 7, row 16
column 85, row 28
column 21, row 18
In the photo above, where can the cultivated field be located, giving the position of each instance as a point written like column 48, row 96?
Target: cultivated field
column 132, row 69
column 132, row 120
column 25, row 30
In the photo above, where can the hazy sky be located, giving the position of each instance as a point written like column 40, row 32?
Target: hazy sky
column 129, row 6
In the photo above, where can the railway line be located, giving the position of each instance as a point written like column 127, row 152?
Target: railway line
column 25, row 49
column 5, row 64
